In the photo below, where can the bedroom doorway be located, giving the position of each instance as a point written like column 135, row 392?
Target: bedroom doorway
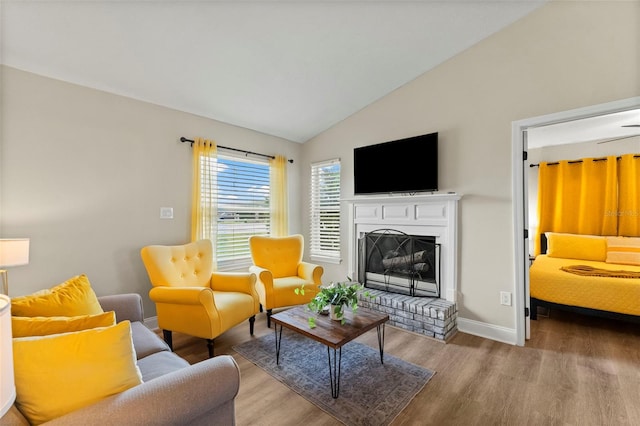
column 522, row 133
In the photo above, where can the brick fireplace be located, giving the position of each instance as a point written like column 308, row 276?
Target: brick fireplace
column 431, row 217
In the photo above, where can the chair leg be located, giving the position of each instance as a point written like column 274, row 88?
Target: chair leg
column 269, row 312
column 168, row 338
column 261, row 307
column 252, row 321
column 210, row 347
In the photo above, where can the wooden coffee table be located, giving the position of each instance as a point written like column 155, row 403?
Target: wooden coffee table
column 331, row 333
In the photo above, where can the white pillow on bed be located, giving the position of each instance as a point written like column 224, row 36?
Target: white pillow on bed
column 623, row 250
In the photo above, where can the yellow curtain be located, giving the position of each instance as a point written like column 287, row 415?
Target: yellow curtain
column 628, row 199
column 204, row 209
column 279, row 197
column 577, row 197
column 598, row 197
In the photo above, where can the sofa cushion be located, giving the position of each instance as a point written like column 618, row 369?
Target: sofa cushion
column 71, row 298
column 623, row 250
column 159, row 364
column 43, row 326
column 145, row 341
column 60, row 373
column 575, row 246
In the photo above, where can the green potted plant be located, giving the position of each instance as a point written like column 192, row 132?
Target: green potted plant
column 333, row 298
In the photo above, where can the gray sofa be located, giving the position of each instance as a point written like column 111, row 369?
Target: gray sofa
column 173, row 392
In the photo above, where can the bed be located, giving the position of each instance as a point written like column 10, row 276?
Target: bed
column 589, row 274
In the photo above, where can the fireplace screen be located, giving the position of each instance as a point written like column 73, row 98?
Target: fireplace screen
column 393, row 261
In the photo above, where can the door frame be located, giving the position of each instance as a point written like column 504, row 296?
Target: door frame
column 520, row 195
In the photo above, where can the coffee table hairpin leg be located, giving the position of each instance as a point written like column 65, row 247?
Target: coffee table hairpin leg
column 334, row 366
column 381, row 342
column 278, row 342
column 334, row 370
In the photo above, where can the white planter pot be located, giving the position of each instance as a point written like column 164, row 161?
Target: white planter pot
column 332, row 313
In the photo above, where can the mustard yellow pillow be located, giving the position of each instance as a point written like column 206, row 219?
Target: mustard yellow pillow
column 623, row 250
column 574, row 246
column 71, row 298
column 61, row 373
column 43, row 326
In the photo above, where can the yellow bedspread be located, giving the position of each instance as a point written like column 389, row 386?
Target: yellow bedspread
column 548, row 282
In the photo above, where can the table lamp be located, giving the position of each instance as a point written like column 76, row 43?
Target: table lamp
column 7, row 384
column 13, row 252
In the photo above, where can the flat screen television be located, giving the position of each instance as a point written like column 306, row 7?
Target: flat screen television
column 401, row 166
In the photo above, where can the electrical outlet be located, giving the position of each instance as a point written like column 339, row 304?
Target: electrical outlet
column 166, row 212
column 505, row 298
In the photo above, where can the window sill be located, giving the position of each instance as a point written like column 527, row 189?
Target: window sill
column 326, row 259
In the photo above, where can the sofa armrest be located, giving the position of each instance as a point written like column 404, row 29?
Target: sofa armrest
column 311, row 272
column 263, row 276
column 202, row 394
column 243, row 282
column 199, row 296
column 126, row 306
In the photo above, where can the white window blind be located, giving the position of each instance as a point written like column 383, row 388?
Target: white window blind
column 325, row 211
column 242, row 191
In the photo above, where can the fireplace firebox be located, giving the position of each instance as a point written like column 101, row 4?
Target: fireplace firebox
column 397, row 262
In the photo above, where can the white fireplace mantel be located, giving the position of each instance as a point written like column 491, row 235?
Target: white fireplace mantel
column 427, row 215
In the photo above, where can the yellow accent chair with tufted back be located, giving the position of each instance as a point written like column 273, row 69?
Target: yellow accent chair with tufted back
column 278, row 265
column 190, row 298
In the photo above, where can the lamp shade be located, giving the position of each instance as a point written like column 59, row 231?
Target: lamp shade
column 14, row 252
column 7, row 384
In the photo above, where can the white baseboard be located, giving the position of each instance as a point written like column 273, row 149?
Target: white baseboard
column 151, row 322
column 489, row 331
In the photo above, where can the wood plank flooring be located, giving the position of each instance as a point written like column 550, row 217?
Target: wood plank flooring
column 575, row 370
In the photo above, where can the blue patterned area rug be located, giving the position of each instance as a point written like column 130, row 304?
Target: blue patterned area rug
column 371, row 394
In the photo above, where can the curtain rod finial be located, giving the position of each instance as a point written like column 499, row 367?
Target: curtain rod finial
column 183, row 139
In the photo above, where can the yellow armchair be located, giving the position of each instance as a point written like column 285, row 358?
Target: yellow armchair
column 278, row 265
column 192, row 299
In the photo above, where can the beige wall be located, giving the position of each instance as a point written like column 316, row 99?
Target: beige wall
column 565, row 55
column 84, row 174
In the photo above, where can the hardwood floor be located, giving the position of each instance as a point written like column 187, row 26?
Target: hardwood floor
column 575, row 370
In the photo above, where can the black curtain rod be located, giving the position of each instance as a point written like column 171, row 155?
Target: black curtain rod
column 579, row 161
column 191, row 141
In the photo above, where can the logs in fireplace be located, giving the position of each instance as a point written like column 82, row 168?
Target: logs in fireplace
column 393, row 261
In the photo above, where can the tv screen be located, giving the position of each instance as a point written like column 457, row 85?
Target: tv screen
column 404, row 165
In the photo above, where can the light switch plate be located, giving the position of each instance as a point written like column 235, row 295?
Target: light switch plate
column 166, row 212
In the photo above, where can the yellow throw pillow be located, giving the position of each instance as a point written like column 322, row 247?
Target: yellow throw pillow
column 575, row 246
column 72, row 298
column 43, row 326
column 623, row 250
column 61, row 373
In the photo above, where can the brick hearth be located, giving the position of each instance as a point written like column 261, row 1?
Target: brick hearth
column 429, row 316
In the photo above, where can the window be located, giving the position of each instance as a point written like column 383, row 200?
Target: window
column 325, row 211
column 242, row 191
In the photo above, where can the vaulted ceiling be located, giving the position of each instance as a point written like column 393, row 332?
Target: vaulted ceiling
column 286, row 68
